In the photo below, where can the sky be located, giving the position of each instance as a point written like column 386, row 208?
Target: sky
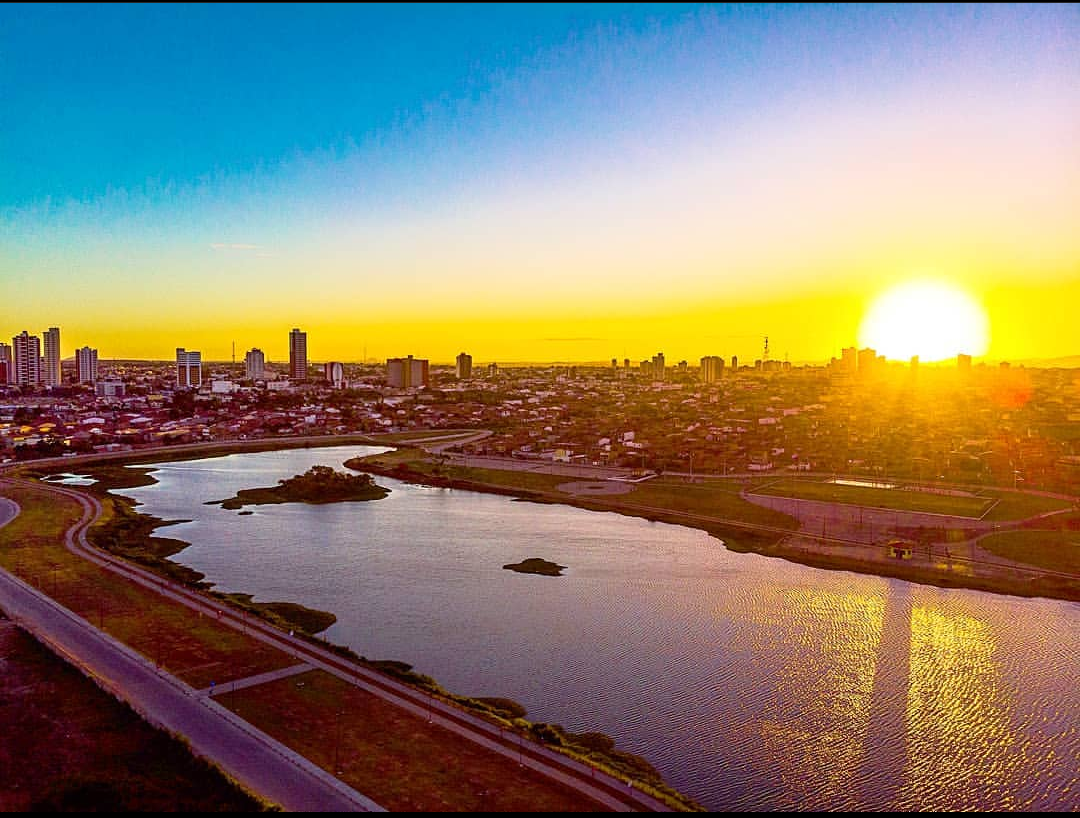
column 534, row 183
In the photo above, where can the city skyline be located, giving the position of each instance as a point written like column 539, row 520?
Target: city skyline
column 538, row 184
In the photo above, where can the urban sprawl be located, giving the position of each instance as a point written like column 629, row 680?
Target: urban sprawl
column 1000, row 425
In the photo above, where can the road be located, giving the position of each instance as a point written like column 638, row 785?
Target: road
column 614, row 793
column 260, row 763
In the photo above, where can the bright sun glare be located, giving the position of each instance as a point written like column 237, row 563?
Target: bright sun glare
column 930, row 319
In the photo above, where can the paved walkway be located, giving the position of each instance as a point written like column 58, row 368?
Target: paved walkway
column 252, row 681
column 261, row 763
column 605, row 789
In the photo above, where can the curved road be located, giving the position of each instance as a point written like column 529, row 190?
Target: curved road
column 260, row 763
column 605, row 789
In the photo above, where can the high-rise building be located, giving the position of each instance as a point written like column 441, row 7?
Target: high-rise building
column 626, row 364
column 50, row 369
column 297, row 355
column 867, row 361
column 493, row 370
column 914, row 364
column 849, row 358
column 712, row 368
column 405, row 373
column 963, row 362
column 86, row 365
column 335, row 374
column 188, row 368
column 255, row 365
column 734, row 363
column 464, row 366
column 27, row 361
column 7, row 374
column 658, row 366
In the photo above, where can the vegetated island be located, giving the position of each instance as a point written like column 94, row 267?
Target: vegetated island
column 320, row 484
column 535, row 565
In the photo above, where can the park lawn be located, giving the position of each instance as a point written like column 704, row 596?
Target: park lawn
column 896, row 499
column 70, row 746
column 392, row 756
column 526, row 480
column 195, row 648
column 1011, row 506
column 394, row 457
column 705, row 499
column 1053, row 550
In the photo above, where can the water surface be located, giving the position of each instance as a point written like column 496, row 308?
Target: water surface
column 750, row 682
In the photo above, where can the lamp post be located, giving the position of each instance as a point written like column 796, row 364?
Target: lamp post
column 337, row 744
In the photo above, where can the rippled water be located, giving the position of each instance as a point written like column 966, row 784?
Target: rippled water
column 751, row 683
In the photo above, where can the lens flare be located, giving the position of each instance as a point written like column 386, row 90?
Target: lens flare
column 931, row 319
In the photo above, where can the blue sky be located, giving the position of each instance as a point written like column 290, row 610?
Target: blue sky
column 568, row 152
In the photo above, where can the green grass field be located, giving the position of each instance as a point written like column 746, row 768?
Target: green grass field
column 895, row 499
column 1012, row 506
column 1054, row 550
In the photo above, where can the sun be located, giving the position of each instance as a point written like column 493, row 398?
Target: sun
column 931, row 319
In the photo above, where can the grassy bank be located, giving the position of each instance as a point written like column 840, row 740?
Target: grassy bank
column 394, row 756
column 200, row 650
column 895, row 499
column 69, row 746
column 705, row 507
column 196, row 649
column 1053, row 550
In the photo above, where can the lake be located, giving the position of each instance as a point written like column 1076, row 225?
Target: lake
column 751, row 683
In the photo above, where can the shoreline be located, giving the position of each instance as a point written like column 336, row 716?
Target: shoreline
column 793, row 546
column 143, row 548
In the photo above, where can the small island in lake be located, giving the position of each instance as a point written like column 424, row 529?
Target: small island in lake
column 320, row 484
column 534, row 565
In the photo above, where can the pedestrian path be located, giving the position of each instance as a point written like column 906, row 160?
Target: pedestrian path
column 252, row 681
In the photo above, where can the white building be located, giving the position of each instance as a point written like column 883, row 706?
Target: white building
column 111, row 388
column 255, row 365
column 404, row 373
column 27, row 349
column 86, row 365
column 50, row 370
column 188, row 368
column 335, row 374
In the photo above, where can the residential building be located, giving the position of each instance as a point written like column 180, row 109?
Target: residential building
column 658, row 366
column 464, row 366
column 86, row 365
column 188, row 369
column 867, row 362
column 849, row 360
column 712, row 368
column 298, row 360
column 50, row 369
column 27, row 361
column 255, row 365
column 404, row 373
column 109, row 388
column 7, row 373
